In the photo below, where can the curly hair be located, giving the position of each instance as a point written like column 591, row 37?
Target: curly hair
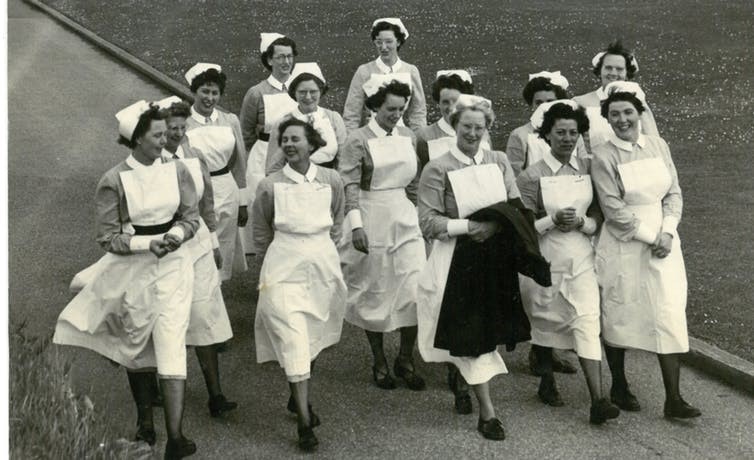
column 451, row 82
column 209, row 76
column 617, row 48
column 282, row 41
column 300, row 78
column 561, row 111
column 482, row 107
column 396, row 88
column 621, row 96
column 142, row 126
column 180, row 109
column 312, row 135
column 384, row 25
column 542, row 84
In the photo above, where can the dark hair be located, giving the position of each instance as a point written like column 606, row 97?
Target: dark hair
column 282, row 41
column 621, row 96
column 395, row 88
column 209, row 76
column 312, row 135
column 180, row 109
column 538, row 84
column 142, row 126
column 563, row 111
column 450, row 82
column 384, row 25
column 306, row 77
column 617, row 47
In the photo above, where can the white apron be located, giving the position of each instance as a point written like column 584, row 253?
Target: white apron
column 301, row 290
column 276, row 106
column 643, row 297
column 382, row 284
column 475, row 188
column 566, row 314
column 217, row 144
column 136, row 309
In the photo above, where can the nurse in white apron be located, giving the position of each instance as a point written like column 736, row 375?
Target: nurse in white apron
column 297, row 219
column 614, row 64
column 136, row 310
column 454, row 186
column 638, row 259
column 382, row 250
column 217, row 135
column 263, row 105
column 565, row 315
column 388, row 35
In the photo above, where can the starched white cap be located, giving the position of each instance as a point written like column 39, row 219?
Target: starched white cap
column 167, row 102
column 200, row 68
column 555, row 78
column 307, row 67
column 469, row 100
column 462, row 74
column 539, row 114
column 626, row 87
column 598, row 56
column 266, row 40
column 378, row 80
column 395, row 22
column 128, row 118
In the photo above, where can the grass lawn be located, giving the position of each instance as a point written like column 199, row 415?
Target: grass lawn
column 692, row 56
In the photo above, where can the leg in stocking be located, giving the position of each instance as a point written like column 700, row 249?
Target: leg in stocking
column 208, row 361
column 141, row 390
column 404, row 364
column 675, row 406
column 380, row 371
column 173, row 393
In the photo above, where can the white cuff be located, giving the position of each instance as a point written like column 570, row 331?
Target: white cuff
column 177, row 231
column 458, row 227
column 139, row 243
column 669, row 224
column 243, row 197
column 645, row 234
column 544, row 224
column 215, row 241
column 354, row 218
column 589, row 227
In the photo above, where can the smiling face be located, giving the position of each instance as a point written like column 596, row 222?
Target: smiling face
column 307, row 96
column 562, row 138
column 150, row 145
column 390, row 111
column 613, row 69
column 295, row 146
column 624, row 119
column 540, row 97
column 470, row 130
column 176, row 129
column 206, row 98
column 387, row 46
column 447, row 102
column 281, row 61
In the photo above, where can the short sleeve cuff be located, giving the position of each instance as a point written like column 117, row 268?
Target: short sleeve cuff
column 544, row 224
column 178, row 232
column 243, row 196
column 669, row 224
column 354, row 219
column 645, row 234
column 215, row 241
column 458, row 227
column 139, row 243
column 589, row 227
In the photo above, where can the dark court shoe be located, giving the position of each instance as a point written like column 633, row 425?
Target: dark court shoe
column 491, row 429
column 463, row 403
column 179, row 448
column 680, row 409
column 548, row 393
column 601, row 411
column 412, row 379
column 306, row 439
column 383, row 380
column 218, row 405
column 313, row 419
column 623, row 398
column 146, row 433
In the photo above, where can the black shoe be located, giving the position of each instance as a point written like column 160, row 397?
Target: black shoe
column 306, row 439
column 145, row 432
column 601, row 411
column 680, row 409
column 218, row 405
column 491, row 429
column 561, row 365
column 412, row 379
column 179, row 448
column 623, row 398
column 548, row 392
column 313, row 419
column 463, row 403
column 385, row 382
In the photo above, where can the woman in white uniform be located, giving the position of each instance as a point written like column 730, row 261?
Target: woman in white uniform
column 382, row 250
column 136, row 309
column 388, row 35
column 308, row 85
column 638, row 257
column 614, row 64
column 297, row 219
column 263, row 105
column 565, row 315
column 468, row 301
column 217, row 135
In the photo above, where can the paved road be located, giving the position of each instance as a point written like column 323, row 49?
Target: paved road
column 62, row 97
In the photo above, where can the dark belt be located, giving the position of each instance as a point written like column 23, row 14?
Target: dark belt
column 264, row 137
column 153, row 229
column 220, row 172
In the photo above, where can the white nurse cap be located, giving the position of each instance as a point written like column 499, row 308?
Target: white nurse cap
column 128, row 118
column 462, row 74
column 266, row 40
column 307, row 67
column 626, row 87
column 393, row 21
column 598, row 56
column 378, row 80
column 539, row 114
column 555, row 78
column 469, row 100
column 167, row 102
column 198, row 69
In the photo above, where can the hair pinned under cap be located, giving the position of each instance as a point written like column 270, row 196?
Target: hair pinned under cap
column 378, row 80
column 539, row 114
column 626, row 87
column 307, row 67
column 555, row 78
column 394, row 21
column 462, row 74
column 200, row 68
column 598, row 56
column 128, row 118
column 167, row 102
column 266, row 40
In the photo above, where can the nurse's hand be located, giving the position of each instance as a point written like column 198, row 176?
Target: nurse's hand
column 243, row 216
column 662, row 245
column 481, row 231
column 158, row 248
column 360, row 240
column 218, row 258
column 172, row 242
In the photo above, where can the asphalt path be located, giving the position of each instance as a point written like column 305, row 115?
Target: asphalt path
column 63, row 95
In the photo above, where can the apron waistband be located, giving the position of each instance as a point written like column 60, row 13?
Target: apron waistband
column 153, row 229
column 220, row 172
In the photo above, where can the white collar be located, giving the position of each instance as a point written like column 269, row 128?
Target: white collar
column 555, row 164
column 136, row 164
column 299, row 178
column 276, row 84
column 628, row 146
column 201, row 119
column 601, row 94
column 445, row 127
column 463, row 158
column 384, row 68
column 377, row 129
column 305, row 116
